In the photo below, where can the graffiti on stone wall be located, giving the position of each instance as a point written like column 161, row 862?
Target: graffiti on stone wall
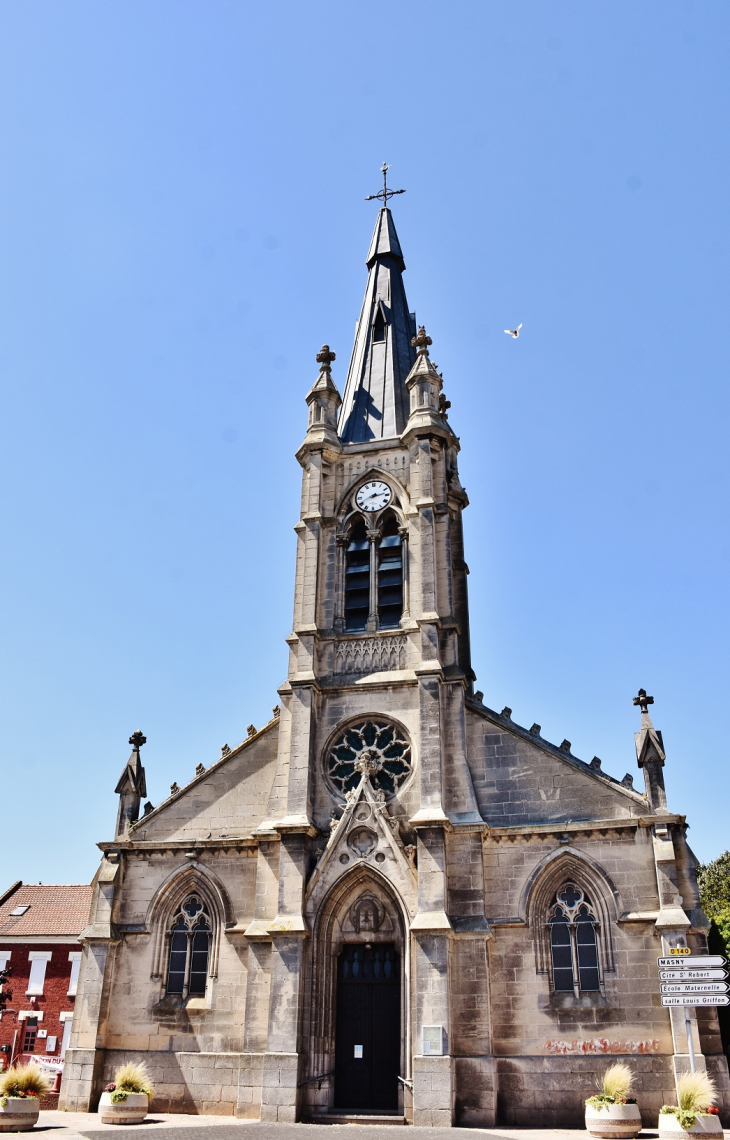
column 600, row 1045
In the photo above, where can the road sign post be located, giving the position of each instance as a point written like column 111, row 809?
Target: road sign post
column 691, row 980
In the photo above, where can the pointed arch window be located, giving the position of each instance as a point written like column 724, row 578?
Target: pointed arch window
column 357, row 578
column 573, row 943
column 379, row 326
column 187, row 972
column 390, row 576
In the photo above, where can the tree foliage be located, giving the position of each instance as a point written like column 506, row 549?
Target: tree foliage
column 713, row 880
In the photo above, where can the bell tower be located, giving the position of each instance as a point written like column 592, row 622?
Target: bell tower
column 379, row 669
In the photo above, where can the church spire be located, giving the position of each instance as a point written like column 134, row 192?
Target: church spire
column 375, row 405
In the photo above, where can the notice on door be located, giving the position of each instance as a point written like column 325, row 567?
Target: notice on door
column 358, row 1053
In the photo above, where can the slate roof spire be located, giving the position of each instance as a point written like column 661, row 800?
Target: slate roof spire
column 375, row 405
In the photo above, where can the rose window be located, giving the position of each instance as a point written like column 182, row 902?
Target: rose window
column 377, row 747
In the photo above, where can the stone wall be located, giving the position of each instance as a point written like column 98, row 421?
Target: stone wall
column 550, row 1092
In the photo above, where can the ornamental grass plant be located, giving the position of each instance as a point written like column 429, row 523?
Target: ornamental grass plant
column 695, row 1094
column 615, row 1087
column 24, row 1081
column 132, row 1077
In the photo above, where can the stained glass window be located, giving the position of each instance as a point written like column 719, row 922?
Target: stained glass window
column 573, row 944
column 379, row 747
column 187, row 971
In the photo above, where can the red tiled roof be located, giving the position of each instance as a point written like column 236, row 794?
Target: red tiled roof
column 53, row 910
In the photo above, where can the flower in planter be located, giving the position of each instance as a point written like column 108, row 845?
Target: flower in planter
column 695, row 1094
column 133, row 1077
column 23, row 1081
column 615, row 1087
column 110, row 1088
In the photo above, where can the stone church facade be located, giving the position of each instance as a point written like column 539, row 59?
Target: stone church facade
column 391, row 899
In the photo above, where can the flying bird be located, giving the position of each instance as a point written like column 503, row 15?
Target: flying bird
column 514, row 332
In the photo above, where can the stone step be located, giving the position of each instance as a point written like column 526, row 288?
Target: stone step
column 342, row 1116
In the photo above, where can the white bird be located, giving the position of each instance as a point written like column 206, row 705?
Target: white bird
column 514, row 332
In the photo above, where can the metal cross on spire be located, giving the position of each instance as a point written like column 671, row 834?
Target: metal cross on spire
column 643, row 701
column 385, row 193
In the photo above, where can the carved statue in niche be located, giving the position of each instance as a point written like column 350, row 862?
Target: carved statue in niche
column 367, row 915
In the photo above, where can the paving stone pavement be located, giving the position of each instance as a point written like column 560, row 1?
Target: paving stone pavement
column 86, row 1126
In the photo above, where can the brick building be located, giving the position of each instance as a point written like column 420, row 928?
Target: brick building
column 39, row 941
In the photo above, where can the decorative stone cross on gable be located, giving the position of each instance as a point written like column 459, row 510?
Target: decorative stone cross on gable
column 421, row 342
column 643, row 701
column 137, row 740
column 325, row 358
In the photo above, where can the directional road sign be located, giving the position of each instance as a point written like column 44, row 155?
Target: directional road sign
column 692, row 975
column 703, row 960
column 695, row 988
column 695, row 999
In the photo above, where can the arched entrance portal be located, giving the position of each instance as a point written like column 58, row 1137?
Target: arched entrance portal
column 357, row 1015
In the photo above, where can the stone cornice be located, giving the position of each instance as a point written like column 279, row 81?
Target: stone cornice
column 190, row 846
column 365, row 447
column 571, row 827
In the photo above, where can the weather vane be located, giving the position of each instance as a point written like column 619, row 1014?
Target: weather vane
column 385, row 193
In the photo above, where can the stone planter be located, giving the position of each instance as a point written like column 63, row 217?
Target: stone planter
column 20, row 1114
column 130, row 1111
column 622, row 1120
column 706, row 1125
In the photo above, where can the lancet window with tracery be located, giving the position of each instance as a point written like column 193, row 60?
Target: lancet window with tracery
column 573, row 943
column 190, row 930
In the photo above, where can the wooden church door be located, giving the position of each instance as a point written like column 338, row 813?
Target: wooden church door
column 367, row 1046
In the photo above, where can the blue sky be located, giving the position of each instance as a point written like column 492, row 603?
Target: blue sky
column 182, row 225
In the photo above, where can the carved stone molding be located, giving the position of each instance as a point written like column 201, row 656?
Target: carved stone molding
column 370, row 654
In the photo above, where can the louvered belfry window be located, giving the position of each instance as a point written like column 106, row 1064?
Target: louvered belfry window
column 187, row 972
column 573, row 944
column 357, row 579
column 390, row 576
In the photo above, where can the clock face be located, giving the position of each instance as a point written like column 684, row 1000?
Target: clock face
column 373, row 496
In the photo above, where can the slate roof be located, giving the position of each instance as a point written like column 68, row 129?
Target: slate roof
column 54, row 910
column 376, row 402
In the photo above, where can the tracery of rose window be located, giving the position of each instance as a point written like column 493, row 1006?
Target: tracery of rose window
column 377, row 747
